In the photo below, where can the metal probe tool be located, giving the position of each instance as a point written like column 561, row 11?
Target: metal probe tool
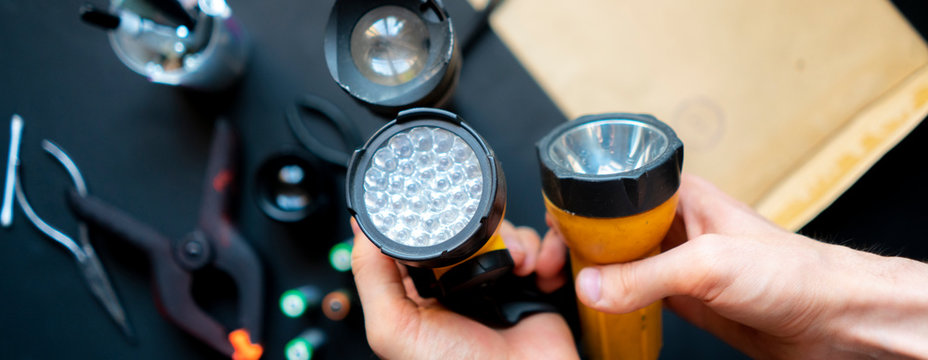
column 16, row 132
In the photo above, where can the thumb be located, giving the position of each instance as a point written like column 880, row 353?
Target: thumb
column 689, row 269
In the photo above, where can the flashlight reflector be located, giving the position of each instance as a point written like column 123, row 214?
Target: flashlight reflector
column 390, row 45
column 610, row 165
column 607, row 147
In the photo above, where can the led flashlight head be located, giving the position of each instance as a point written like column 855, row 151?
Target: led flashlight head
column 610, row 165
column 426, row 189
column 392, row 54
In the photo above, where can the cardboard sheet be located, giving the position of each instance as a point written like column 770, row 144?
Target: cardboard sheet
column 782, row 104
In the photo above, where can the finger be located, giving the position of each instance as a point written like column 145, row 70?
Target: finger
column 531, row 243
column 706, row 210
column 380, row 286
column 551, row 261
column 692, row 269
column 522, row 244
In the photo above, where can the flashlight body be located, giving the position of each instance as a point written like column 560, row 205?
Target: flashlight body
column 216, row 67
column 495, row 242
column 601, row 241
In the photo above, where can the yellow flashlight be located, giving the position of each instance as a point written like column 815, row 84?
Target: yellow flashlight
column 610, row 182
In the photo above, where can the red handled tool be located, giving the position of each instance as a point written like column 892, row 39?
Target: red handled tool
column 215, row 242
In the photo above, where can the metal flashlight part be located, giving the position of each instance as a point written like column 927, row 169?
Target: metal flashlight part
column 392, row 55
column 390, row 45
column 610, row 182
column 209, row 56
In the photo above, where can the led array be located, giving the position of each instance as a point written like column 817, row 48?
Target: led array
column 423, row 186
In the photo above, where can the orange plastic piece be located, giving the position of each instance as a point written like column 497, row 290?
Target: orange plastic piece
column 599, row 241
column 336, row 313
column 244, row 349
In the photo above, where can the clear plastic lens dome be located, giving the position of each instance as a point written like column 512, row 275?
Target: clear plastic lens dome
column 430, row 193
column 390, row 45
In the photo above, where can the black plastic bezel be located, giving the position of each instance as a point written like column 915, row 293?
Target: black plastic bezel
column 443, row 56
column 613, row 195
column 315, row 180
column 489, row 211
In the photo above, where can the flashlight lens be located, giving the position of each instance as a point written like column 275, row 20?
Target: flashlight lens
column 608, row 147
column 432, row 192
column 390, row 45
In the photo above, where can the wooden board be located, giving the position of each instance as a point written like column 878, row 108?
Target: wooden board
column 782, row 104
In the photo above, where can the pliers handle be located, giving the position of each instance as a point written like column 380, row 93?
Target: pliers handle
column 215, row 243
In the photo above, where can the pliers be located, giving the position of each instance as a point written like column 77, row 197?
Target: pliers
column 215, row 242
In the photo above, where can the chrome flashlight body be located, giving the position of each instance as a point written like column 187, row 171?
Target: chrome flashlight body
column 211, row 57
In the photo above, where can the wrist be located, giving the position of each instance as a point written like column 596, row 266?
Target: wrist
column 885, row 310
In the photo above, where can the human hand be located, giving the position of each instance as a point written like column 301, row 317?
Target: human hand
column 766, row 291
column 402, row 325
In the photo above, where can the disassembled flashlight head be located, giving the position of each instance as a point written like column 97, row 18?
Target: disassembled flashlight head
column 392, row 54
column 426, row 189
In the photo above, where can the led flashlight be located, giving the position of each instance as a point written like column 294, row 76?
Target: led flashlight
column 610, row 182
column 428, row 191
column 392, row 54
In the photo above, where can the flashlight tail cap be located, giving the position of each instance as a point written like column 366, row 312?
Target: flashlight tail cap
column 478, row 230
column 616, row 194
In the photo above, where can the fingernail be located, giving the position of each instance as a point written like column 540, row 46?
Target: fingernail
column 590, row 281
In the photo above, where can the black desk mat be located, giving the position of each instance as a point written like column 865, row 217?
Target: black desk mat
column 143, row 147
